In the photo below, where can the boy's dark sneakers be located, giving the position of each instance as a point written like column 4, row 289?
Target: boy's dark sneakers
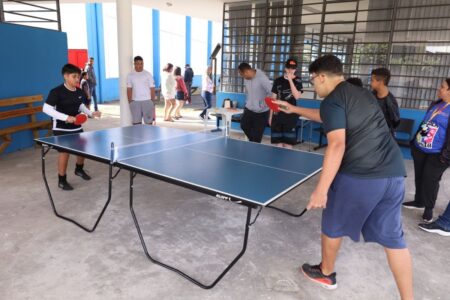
column 314, row 273
column 412, row 205
column 435, row 228
column 427, row 215
column 63, row 184
column 80, row 172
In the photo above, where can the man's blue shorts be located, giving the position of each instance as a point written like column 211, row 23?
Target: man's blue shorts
column 368, row 206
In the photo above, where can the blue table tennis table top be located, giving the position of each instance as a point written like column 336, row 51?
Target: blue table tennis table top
column 226, row 168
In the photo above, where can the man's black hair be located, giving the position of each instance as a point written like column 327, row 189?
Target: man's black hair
column 327, row 64
column 244, row 66
column 382, row 74
column 138, row 58
column 70, row 69
column 355, row 81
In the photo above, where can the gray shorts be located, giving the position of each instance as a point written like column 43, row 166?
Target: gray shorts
column 142, row 110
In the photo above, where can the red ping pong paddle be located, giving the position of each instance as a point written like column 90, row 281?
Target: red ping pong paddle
column 273, row 106
column 80, row 119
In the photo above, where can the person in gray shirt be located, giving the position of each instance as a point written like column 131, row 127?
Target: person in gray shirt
column 256, row 112
column 92, row 80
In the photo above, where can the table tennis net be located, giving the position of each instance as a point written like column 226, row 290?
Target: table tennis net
column 143, row 148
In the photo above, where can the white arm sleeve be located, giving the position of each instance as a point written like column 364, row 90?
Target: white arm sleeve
column 85, row 110
column 52, row 112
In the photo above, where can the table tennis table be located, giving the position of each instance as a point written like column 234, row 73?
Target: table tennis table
column 250, row 174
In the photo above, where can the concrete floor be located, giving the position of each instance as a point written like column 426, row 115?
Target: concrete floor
column 44, row 257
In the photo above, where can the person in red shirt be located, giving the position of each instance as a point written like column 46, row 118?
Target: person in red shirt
column 181, row 93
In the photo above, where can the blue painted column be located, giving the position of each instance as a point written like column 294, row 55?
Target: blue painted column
column 156, row 48
column 188, row 39
column 209, row 43
column 94, row 27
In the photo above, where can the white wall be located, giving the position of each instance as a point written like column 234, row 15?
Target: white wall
column 172, row 36
column 199, row 44
column 73, row 22
column 172, row 39
column 142, row 35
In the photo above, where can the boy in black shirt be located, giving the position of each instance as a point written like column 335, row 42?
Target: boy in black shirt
column 388, row 104
column 63, row 103
column 288, row 88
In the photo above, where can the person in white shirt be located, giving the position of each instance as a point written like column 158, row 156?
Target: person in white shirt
column 207, row 91
column 141, row 93
column 168, row 90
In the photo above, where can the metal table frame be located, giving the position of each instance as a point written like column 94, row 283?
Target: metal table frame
column 47, row 147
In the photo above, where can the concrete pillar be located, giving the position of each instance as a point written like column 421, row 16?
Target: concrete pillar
column 125, row 45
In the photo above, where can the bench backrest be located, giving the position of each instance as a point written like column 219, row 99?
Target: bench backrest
column 20, row 100
column 18, row 112
column 28, row 110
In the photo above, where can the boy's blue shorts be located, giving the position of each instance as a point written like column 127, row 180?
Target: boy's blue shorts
column 368, row 206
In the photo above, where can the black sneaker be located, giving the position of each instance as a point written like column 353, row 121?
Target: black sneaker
column 435, row 228
column 82, row 174
column 427, row 215
column 314, row 273
column 65, row 186
column 412, row 205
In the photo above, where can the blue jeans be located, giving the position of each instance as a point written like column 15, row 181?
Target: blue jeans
column 206, row 96
column 444, row 219
column 94, row 96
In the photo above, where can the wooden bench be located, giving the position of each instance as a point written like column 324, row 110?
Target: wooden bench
column 28, row 110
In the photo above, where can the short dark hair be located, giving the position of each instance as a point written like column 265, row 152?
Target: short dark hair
column 355, row 81
column 328, row 63
column 244, row 66
column 291, row 63
column 187, row 66
column 448, row 82
column 167, row 67
column 138, row 58
column 177, row 71
column 83, row 73
column 70, row 69
column 91, row 57
column 382, row 74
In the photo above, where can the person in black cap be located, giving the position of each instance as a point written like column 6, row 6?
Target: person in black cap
column 288, row 88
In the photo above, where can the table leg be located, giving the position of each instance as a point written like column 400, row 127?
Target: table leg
column 179, row 272
column 110, row 179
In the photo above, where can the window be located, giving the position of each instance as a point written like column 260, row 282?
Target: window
column 410, row 37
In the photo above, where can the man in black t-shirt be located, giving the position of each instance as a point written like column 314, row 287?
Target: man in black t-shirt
column 361, row 187
column 379, row 83
column 288, row 88
column 63, row 103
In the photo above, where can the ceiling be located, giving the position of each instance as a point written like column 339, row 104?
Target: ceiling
column 204, row 9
